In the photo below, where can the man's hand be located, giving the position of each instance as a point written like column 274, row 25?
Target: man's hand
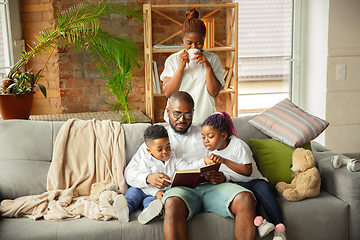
column 215, row 177
column 158, row 180
column 159, row 195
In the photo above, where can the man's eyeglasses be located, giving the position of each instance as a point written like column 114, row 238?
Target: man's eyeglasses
column 177, row 115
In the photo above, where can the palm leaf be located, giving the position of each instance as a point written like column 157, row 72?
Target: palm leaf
column 116, row 57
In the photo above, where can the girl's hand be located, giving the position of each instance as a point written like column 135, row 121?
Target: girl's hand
column 159, row 195
column 208, row 161
column 217, row 158
column 183, row 59
column 201, row 59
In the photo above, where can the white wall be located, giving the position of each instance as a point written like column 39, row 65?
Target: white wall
column 343, row 97
column 331, row 36
column 313, row 67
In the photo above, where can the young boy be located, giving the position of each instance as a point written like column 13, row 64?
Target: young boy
column 156, row 161
column 156, row 165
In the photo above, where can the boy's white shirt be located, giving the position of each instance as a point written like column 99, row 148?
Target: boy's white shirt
column 238, row 151
column 185, row 145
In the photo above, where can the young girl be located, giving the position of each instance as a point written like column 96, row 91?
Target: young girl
column 202, row 77
column 220, row 138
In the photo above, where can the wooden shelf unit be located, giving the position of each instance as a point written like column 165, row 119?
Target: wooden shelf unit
column 230, row 89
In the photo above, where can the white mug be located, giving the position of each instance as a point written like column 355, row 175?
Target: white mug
column 192, row 52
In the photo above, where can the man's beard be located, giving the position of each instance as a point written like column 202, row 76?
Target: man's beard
column 177, row 131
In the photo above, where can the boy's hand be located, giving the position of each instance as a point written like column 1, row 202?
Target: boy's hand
column 159, row 195
column 158, row 180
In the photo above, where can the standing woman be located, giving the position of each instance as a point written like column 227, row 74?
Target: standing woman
column 201, row 77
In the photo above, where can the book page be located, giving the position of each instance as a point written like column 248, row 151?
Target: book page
column 188, row 171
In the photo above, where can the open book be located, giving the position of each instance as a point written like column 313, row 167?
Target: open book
column 190, row 178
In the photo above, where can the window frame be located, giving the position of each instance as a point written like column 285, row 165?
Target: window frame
column 15, row 42
column 295, row 84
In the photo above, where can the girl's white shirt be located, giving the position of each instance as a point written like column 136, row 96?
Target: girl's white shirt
column 238, row 151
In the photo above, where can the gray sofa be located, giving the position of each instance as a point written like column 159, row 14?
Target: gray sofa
column 25, row 156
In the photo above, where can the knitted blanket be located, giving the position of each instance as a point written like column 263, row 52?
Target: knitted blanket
column 85, row 152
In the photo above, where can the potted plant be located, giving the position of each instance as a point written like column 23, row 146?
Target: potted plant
column 16, row 95
column 116, row 58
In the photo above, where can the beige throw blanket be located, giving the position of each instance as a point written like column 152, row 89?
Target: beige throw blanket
column 85, row 152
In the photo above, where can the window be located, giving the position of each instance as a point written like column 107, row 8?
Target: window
column 4, row 40
column 10, row 45
column 265, row 54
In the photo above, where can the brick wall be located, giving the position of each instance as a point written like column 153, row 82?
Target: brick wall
column 35, row 15
column 71, row 79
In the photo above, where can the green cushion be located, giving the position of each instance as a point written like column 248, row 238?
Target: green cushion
column 273, row 159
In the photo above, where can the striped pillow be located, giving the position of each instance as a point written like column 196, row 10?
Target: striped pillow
column 289, row 124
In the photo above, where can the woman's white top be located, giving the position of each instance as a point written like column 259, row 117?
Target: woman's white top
column 194, row 82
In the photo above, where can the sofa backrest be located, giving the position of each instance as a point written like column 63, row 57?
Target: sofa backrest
column 134, row 137
column 25, row 155
column 27, row 140
column 26, row 151
column 247, row 131
column 34, row 140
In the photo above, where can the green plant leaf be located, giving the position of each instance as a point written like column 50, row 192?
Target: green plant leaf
column 42, row 89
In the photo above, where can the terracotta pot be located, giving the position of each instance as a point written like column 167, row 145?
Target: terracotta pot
column 14, row 107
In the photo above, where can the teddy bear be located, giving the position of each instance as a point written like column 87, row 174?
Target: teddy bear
column 306, row 182
column 103, row 192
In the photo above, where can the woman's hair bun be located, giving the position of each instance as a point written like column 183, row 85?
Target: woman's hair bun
column 192, row 13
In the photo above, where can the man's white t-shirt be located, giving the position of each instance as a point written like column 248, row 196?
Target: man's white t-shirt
column 194, row 82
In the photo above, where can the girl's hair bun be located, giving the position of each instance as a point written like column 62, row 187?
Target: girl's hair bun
column 192, row 13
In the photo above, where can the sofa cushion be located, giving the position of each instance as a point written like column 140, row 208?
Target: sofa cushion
column 27, row 140
column 134, row 137
column 85, row 228
column 321, row 217
column 22, row 178
column 25, row 155
column 273, row 159
column 289, row 124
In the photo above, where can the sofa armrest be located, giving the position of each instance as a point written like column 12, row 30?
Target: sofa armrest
column 341, row 183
